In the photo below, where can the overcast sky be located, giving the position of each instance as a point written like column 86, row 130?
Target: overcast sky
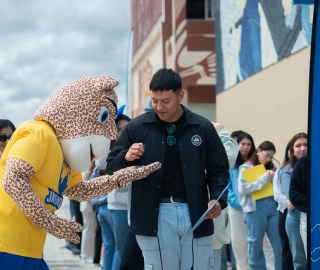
column 46, row 44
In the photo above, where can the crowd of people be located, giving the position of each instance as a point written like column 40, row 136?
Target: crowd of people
column 150, row 224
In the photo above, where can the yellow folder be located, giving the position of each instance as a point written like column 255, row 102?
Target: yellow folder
column 251, row 175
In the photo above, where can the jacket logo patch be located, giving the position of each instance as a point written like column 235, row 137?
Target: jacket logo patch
column 196, row 140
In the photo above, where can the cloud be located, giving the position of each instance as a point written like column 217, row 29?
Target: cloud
column 47, row 44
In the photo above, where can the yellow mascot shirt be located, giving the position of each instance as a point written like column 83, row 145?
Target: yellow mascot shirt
column 34, row 142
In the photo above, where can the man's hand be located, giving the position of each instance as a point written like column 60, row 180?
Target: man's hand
column 135, row 152
column 215, row 211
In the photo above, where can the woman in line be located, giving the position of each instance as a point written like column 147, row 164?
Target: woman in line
column 6, row 131
column 298, row 148
column 281, row 199
column 238, row 228
column 260, row 216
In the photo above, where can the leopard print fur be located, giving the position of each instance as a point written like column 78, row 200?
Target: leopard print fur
column 74, row 109
column 106, row 183
column 16, row 183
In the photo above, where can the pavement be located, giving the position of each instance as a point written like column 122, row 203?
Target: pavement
column 56, row 255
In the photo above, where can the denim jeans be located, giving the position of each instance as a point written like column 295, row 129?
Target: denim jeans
column 295, row 240
column 119, row 219
column 263, row 220
column 217, row 255
column 174, row 247
column 111, row 259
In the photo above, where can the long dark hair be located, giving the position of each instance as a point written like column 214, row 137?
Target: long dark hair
column 241, row 136
column 4, row 123
column 292, row 158
column 265, row 146
column 286, row 155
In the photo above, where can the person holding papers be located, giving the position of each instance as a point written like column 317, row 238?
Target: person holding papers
column 165, row 206
column 259, row 206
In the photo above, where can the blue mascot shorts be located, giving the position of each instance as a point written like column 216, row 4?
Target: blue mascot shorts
column 10, row 262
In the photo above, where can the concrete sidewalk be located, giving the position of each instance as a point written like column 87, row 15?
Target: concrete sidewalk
column 56, row 256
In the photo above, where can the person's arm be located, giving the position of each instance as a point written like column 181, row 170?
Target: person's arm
column 16, row 183
column 230, row 144
column 98, row 186
column 246, row 188
column 298, row 185
column 217, row 168
column 278, row 195
column 285, row 180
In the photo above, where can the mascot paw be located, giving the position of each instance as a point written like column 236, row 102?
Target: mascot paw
column 126, row 176
column 64, row 229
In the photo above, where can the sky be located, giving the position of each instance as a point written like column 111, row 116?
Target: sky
column 47, row 44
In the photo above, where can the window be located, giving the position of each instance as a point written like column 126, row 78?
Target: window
column 200, row 9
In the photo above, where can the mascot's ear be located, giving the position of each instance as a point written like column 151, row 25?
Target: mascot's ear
column 106, row 82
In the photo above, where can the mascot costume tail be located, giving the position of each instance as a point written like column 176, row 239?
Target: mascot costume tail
column 43, row 161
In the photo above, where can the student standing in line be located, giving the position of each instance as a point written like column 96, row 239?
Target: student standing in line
column 165, row 205
column 298, row 148
column 222, row 226
column 281, row 199
column 260, row 216
column 239, row 229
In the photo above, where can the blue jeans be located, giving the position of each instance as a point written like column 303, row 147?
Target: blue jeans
column 111, row 259
column 175, row 247
column 216, row 255
column 119, row 219
column 295, row 240
column 263, row 220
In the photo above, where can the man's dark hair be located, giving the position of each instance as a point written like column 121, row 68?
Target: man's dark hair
column 165, row 80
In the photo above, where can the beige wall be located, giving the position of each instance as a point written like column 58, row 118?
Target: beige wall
column 271, row 105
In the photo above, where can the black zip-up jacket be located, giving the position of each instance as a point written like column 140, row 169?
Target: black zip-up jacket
column 204, row 164
column 300, row 179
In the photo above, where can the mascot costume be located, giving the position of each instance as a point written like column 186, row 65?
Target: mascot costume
column 43, row 161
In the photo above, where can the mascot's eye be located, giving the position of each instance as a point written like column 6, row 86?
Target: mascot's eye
column 103, row 115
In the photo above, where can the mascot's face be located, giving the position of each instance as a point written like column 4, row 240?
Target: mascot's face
column 82, row 114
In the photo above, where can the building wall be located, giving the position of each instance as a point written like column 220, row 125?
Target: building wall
column 145, row 14
column 142, row 71
column 271, row 105
column 254, row 34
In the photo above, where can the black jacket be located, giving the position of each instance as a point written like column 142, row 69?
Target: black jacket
column 299, row 185
column 204, row 167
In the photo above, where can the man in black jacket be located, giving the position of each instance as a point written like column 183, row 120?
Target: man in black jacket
column 195, row 170
column 300, row 180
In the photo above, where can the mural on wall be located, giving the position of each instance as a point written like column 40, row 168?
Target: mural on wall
column 253, row 34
